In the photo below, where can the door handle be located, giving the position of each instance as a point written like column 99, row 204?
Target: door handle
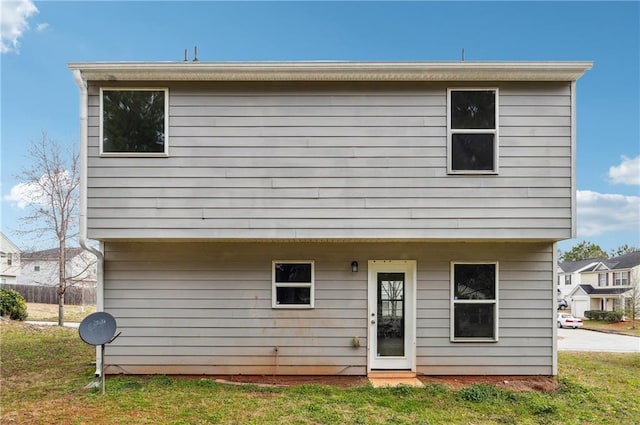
column 373, row 322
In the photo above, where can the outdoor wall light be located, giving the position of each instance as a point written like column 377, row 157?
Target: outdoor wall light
column 354, row 266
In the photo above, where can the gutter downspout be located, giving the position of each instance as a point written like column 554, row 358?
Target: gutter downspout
column 82, row 227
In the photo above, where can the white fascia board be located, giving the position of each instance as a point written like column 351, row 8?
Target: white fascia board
column 580, row 270
column 332, row 71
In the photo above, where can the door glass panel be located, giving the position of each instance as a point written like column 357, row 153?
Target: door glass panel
column 390, row 329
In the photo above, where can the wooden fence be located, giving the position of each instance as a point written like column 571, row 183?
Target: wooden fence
column 74, row 295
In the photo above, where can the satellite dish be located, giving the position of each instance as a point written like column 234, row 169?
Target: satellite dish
column 98, row 328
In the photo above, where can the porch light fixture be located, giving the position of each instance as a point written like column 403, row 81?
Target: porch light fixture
column 354, row 266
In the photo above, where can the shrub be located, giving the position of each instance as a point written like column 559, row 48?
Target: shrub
column 592, row 314
column 608, row 316
column 613, row 316
column 12, row 304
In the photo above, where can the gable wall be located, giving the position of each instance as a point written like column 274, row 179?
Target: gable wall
column 206, row 308
column 330, row 160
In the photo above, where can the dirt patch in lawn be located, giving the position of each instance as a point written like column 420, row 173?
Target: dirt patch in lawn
column 511, row 383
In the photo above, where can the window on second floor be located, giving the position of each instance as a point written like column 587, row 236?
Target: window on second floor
column 36, row 268
column 602, row 279
column 134, row 121
column 620, row 279
column 567, row 279
column 472, row 126
column 9, row 259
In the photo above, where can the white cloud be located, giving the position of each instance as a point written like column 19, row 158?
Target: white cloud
column 26, row 194
column 628, row 172
column 600, row 213
column 41, row 27
column 13, row 22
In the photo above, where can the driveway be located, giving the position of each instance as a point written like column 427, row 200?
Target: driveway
column 583, row 340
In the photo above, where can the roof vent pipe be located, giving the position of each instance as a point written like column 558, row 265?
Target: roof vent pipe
column 186, row 56
column 195, row 54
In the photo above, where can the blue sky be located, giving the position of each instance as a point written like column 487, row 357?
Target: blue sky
column 39, row 39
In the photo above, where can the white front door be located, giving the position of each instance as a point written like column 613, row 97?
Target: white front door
column 392, row 314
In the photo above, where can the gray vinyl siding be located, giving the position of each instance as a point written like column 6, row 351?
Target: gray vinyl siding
column 205, row 308
column 278, row 160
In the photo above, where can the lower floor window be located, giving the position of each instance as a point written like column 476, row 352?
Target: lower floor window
column 474, row 301
column 293, row 284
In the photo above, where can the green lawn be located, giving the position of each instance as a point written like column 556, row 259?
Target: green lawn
column 43, row 371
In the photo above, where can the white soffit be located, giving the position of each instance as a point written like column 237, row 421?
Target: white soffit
column 332, row 71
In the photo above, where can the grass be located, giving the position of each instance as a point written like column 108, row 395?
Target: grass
column 43, row 371
column 49, row 312
column 624, row 328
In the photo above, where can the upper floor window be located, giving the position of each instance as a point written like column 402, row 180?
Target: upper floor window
column 620, row 279
column 293, row 284
column 36, row 268
column 472, row 131
column 474, row 293
column 567, row 279
column 9, row 259
column 134, row 121
column 602, row 279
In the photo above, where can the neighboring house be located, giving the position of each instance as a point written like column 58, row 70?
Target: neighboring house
column 606, row 285
column 329, row 218
column 9, row 261
column 569, row 275
column 41, row 267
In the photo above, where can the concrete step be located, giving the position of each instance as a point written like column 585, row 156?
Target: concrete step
column 393, row 378
column 391, row 374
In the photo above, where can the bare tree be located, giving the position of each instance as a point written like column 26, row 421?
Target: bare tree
column 49, row 188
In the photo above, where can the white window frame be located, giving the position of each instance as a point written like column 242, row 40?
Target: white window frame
column 275, row 285
column 622, row 277
column 452, row 131
column 567, row 280
column 166, row 123
column 454, row 302
column 606, row 279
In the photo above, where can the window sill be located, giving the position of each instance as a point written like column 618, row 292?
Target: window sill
column 292, row 307
column 471, row 172
column 134, row 155
column 476, row 340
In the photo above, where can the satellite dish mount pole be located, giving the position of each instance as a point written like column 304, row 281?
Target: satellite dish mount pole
column 102, row 368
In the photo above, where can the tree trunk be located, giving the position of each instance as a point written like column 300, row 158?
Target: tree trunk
column 61, row 282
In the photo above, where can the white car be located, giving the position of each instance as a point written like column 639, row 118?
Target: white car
column 568, row 321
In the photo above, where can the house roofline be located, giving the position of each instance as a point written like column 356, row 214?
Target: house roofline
column 331, row 71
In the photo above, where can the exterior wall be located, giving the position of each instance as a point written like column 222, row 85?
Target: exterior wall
column 205, row 308
column 565, row 290
column 9, row 261
column 334, row 161
column 82, row 268
column 589, row 279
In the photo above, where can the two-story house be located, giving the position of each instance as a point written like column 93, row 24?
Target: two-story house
column 569, row 275
column 329, row 217
column 40, row 268
column 9, row 260
column 606, row 285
